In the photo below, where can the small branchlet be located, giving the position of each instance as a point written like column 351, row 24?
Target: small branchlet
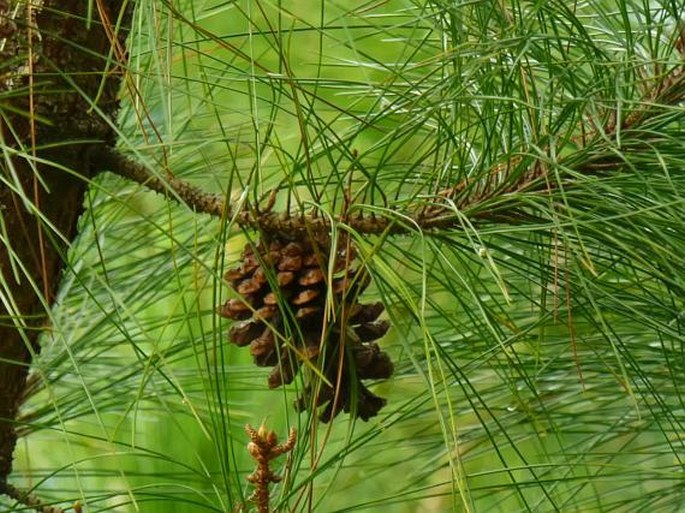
column 264, row 447
column 28, row 499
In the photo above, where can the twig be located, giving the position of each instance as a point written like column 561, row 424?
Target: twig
column 109, row 159
column 28, row 499
column 264, row 447
column 434, row 217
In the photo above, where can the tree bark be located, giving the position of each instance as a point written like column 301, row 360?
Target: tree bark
column 60, row 75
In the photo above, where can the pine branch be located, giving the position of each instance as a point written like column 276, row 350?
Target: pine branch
column 28, row 499
column 501, row 185
column 111, row 160
column 439, row 214
column 443, row 211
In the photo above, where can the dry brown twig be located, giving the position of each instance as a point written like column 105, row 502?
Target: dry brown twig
column 264, row 447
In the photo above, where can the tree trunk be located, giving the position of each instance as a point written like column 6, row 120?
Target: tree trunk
column 60, row 74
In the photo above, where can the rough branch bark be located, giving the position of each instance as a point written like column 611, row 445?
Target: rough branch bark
column 438, row 215
column 54, row 63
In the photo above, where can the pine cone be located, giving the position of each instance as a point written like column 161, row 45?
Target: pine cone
column 284, row 289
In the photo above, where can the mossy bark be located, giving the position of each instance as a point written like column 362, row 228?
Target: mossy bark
column 60, row 77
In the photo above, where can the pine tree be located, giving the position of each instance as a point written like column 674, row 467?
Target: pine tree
column 451, row 230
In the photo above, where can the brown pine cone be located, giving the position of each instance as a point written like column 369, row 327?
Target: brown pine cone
column 284, row 288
